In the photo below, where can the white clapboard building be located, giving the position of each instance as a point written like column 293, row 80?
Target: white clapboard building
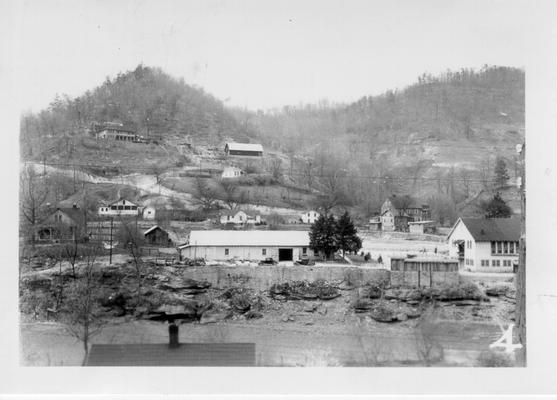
column 247, row 245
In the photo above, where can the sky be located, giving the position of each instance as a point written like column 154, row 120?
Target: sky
column 259, row 54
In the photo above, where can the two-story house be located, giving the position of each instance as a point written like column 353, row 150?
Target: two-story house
column 398, row 211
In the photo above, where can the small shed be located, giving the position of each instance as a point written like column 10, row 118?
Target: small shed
column 157, row 236
column 424, row 272
column 149, row 213
column 421, row 227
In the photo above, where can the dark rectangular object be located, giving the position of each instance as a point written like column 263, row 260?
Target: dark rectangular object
column 183, row 355
column 286, row 254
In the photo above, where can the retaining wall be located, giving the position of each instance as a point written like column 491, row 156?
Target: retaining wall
column 263, row 276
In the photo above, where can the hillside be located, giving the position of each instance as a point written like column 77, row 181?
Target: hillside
column 153, row 103
column 436, row 140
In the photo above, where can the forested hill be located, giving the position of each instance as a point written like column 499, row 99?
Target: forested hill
column 457, row 105
column 150, row 101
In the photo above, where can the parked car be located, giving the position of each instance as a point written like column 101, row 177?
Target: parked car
column 268, row 261
column 305, row 261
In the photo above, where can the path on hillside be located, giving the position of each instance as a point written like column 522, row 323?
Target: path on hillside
column 144, row 182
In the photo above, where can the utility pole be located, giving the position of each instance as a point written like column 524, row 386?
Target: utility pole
column 520, row 308
column 110, row 250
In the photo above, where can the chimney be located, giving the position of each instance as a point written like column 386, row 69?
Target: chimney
column 173, row 340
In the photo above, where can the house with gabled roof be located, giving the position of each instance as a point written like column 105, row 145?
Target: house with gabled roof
column 121, row 207
column 398, row 211
column 485, row 244
column 239, row 217
column 243, row 149
column 63, row 224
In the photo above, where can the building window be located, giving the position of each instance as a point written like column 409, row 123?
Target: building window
column 225, row 252
column 495, row 263
column 134, row 207
column 493, row 248
column 113, row 207
column 471, row 262
column 126, row 207
column 304, row 251
column 264, row 252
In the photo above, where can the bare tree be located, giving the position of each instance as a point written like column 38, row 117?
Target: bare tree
column 33, row 195
column 230, row 194
column 307, row 173
column 275, row 169
column 428, row 348
column 465, row 177
column 81, row 312
column 204, row 195
column 133, row 241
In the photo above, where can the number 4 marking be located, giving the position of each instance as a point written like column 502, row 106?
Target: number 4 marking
column 506, row 341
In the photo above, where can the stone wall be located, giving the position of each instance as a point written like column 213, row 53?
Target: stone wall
column 263, row 276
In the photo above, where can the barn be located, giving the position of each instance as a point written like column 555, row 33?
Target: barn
column 243, row 149
column 247, row 245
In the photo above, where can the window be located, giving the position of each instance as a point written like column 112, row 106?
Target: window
column 264, row 252
column 126, row 207
column 485, row 263
column 120, row 207
column 495, row 263
column 304, row 250
column 135, row 208
column 471, row 262
column 225, row 252
column 113, row 207
column 493, row 251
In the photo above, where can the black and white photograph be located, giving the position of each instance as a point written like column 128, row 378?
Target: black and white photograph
column 264, row 184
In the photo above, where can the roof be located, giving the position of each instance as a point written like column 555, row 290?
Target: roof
column 186, row 355
column 76, row 214
column 121, row 200
column 248, row 238
column 404, row 202
column 491, row 229
column 244, row 146
column 117, row 128
column 153, row 228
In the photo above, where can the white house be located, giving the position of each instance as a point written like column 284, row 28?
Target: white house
column 247, row 245
column 309, row 217
column 120, row 207
column 149, row 213
column 239, row 218
column 231, row 172
column 482, row 244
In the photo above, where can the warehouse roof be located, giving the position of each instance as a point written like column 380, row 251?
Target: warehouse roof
column 247, row 238
column 244, row 146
